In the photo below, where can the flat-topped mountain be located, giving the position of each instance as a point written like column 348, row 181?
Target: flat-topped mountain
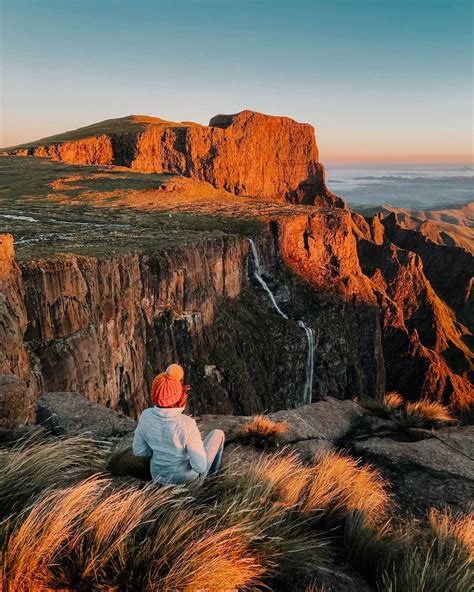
column 246, row 153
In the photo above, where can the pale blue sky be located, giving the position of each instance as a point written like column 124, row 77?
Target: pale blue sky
column 379, row 80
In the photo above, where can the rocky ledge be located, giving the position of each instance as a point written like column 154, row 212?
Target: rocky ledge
column 426, row 468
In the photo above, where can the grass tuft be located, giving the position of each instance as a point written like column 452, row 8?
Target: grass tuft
column 457, row 530
column 393, row 400
column 37, row 464
column 262, row 432
column 340, row 484
column 429, row 412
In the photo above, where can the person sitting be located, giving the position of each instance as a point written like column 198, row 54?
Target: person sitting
column 172, row 439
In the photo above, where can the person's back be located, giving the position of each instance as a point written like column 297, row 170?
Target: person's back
column 172, row 439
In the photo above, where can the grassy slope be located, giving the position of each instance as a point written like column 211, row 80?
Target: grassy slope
column 120, row 125
column 64, row 221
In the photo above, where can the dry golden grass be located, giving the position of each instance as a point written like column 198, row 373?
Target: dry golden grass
column 36, row 464
column 262, row 431
column 34, row 543
column 340, row 483
column 393, row 400
column 89, row 536
column 430, row 412
column 281, row 477
column 315, row 587
column 253, row 522
column 458, row 528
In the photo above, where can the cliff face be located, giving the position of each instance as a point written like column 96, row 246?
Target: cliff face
column 418, row 346
column 105, row 327
column 247, row 154
column 450, row 269
column 13, row 322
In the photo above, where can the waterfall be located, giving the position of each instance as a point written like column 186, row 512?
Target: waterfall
column 308, row 387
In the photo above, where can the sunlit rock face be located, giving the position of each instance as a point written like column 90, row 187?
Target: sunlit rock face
column 416, row 335
column 247, row 153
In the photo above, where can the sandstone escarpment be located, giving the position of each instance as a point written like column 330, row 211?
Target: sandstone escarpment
column 450, row 269
column 418, row 345
column 105, row 326
column 247, row 153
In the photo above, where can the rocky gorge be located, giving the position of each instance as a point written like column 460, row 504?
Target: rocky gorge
column 389, row 308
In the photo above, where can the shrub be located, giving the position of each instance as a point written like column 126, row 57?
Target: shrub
column 428, row 412
column 262, row 431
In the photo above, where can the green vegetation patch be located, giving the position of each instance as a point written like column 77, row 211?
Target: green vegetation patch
column 43, row 227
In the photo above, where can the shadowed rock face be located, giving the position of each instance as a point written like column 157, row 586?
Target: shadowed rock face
column 14, row 357
column 247, row 153
column 104, row 327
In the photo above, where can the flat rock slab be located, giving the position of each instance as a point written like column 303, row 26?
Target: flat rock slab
column 227, row 423
column 458, row 438
column 425, row 473
column 433, row 455
column 329, row 419
column 72, row 413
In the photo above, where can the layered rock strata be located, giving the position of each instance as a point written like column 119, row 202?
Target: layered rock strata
column 247, row 153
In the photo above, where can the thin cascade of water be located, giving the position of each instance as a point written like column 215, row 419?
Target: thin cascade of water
column 258, row 274
column 308, row 387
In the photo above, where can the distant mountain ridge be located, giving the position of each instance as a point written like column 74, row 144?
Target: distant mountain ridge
column 450, row 226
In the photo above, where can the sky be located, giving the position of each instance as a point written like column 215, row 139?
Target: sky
column 380, row 80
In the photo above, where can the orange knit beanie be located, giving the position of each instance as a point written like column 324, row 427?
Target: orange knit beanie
column 167, row 388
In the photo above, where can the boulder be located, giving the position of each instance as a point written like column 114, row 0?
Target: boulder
column 72, row 413
column 312, row 429
column 330, row 419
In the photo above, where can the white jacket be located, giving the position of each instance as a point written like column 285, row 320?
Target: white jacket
column 174, row 443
